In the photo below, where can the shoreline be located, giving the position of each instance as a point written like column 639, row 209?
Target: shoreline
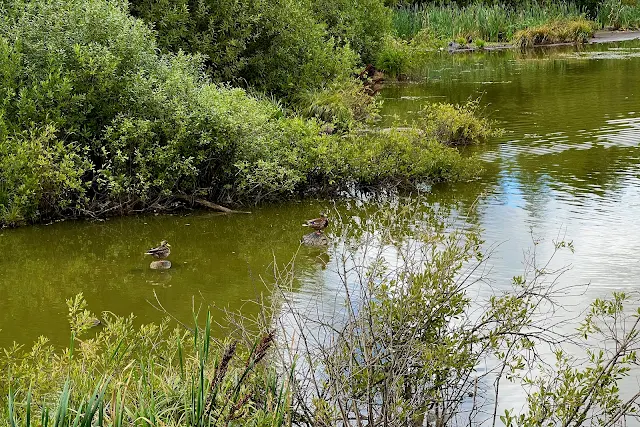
column 599, row 37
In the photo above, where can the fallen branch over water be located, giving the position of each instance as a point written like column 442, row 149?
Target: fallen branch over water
column 208, row 204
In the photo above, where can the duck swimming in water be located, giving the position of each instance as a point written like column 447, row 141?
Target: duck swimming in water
column 161, row 252
column 318, row 224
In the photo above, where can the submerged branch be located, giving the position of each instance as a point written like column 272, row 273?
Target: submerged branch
column 208, row 204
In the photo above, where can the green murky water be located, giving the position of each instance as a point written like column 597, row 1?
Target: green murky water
column 567, row 165
column 217, row 259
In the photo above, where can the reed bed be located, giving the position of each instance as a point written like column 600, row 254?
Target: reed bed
column 578, row 31
column 619, row 15
column 493, row 23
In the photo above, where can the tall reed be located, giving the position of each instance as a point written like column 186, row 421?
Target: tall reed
column 489, row 22
column 619, row 15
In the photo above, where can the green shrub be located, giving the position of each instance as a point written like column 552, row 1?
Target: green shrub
column 219, row 30
column 278, row 46
column 394, row 58
column 95, row 121
column 344, row 105
column 400, row 58
column 39, row 176
column 407, row 155
column 136, row 125
column 291, row 52
column 456, row 125
column 362, row 24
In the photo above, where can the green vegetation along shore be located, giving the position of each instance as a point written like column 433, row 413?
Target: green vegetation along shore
column 130, row 106
column 420, row 27
column 101, row 117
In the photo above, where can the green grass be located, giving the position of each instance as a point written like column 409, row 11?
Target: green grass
column 492, row 23
column 576, row 31
column 141, row 376
column 407, row 21
column 619, row 15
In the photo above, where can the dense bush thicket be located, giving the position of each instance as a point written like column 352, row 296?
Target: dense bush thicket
column 282, row 47
column 95, row 121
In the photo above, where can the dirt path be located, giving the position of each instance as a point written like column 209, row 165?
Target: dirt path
column 598, row 37
column 614, row 36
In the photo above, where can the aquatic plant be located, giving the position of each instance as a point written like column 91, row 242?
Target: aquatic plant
column 574, row 31
column 407, row 21
column 456, row 125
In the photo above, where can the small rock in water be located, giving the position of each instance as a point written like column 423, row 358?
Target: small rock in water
column 161, row 264
column 315, row 239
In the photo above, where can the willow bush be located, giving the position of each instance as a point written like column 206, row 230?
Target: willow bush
column 282, row 47
column 416, row 333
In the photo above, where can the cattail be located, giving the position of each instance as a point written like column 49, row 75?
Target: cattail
column 262, row 347
column 220, row 372
column 221, row 369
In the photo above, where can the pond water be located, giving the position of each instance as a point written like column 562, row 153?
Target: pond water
column 567, row 166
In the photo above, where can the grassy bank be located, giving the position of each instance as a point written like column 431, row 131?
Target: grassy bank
column 478, row 20
column 504, row 23
column 150, row 375
column 422, row 28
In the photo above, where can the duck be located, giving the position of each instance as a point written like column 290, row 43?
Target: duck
column 318, row 224
column 161, row 252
